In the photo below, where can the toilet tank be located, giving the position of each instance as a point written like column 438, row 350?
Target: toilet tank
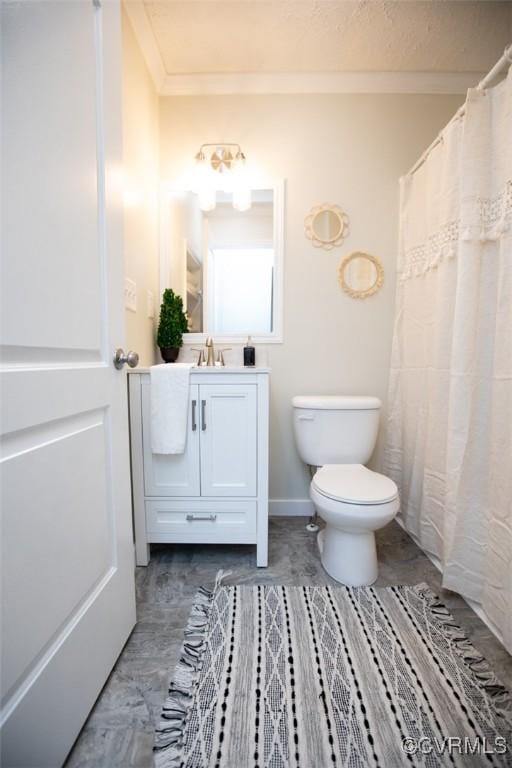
column 335, row 429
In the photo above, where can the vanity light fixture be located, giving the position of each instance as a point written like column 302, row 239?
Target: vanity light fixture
column 221, row 166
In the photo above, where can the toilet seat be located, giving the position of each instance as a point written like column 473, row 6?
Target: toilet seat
column 354, row 484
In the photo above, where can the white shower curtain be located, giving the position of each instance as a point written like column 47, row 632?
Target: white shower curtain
column 449, row 434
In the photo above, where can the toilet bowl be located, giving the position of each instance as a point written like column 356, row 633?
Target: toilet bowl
column 337, row 435
column 354, row 502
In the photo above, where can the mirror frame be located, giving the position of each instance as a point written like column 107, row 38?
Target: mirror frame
column 309, row 229
column 373, row 288
column 276, row 337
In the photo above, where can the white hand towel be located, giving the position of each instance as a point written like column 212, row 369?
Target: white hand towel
column 169, row 406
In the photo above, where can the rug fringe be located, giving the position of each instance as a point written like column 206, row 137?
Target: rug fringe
column 221, row 575
column 170, row 732
column 500, row 695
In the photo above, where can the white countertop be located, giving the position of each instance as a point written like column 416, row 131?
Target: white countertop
column 213, row 369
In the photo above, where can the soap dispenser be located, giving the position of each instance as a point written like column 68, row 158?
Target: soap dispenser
column 249, row 353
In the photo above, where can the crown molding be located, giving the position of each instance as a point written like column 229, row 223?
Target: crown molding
column 287, row 82
column 321, row 83
column 144, row 34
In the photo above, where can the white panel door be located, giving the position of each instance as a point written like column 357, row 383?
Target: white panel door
column 172, row 474
column 228, row 439
column 67, row 550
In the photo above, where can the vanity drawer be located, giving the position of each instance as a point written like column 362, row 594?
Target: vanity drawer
column 201, row 521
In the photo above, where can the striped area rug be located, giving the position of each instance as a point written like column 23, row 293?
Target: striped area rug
column 306, row 677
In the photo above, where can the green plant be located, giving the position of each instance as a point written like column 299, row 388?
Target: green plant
column 173, row 321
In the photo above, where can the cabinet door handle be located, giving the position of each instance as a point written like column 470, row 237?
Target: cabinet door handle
column 203, row 415
column 194, row 424
column 211, row 518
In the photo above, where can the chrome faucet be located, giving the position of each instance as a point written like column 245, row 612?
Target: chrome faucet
column 210, row 358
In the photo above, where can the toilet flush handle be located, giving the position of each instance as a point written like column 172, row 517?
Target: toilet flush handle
column 306, row 418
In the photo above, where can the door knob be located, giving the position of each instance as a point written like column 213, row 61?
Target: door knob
column 120, row 359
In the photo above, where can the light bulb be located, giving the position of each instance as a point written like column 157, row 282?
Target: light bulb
column 207, row 198
column 242, row 198
column 201, row 174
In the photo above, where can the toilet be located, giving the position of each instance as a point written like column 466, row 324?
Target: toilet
column 337, row 434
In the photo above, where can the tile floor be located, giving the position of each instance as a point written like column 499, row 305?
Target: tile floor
column 119, row 731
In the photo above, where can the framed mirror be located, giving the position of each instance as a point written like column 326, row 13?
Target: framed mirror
column 360, row 274
column 326, row 225
column 226, row 264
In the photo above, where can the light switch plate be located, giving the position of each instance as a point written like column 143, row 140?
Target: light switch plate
column 150, row 303
column 130, row 294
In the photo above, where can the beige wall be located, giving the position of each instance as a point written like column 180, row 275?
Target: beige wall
column 141, row 175
column 345, row 149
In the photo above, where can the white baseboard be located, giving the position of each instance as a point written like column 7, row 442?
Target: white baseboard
column 290, row 508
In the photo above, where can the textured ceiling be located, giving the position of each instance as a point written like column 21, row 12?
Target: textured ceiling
column 226, row 36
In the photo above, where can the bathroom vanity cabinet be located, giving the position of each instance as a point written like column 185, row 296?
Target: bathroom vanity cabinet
column 216, row 492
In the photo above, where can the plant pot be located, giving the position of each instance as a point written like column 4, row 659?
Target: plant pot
column 169, row 354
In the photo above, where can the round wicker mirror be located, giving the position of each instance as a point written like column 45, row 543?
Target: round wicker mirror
column 360, row 274
column 326, row 226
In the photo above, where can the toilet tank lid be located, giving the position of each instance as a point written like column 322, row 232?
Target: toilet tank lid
column 336, row 402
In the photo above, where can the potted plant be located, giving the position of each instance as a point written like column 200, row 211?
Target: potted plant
column 171, row 327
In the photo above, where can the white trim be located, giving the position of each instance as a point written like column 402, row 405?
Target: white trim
column 279, row 247
column 147, row 42
column 290, row 508
column 319, row 82
column 262, row 463
column 239, row 338
column 100, row 177
column 164, row 255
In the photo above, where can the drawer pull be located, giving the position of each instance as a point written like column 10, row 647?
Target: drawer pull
column 203, row 415
column 194, row 423
column 211, row 518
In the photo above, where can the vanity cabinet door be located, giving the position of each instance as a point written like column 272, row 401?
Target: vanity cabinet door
column 228, row 427
column 172, row 474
